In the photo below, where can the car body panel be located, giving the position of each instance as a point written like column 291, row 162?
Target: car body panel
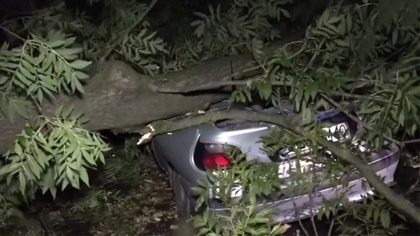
column 292, row 208
column 179, row 155
column 175, row 151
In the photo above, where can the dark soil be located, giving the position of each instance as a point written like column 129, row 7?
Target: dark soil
column 142, row 205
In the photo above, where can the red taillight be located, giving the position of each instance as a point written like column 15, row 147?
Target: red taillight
column 214, row 161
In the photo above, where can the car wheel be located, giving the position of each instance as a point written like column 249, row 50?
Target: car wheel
column 183, row 201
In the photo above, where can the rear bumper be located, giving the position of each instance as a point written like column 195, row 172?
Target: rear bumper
column 304, row 206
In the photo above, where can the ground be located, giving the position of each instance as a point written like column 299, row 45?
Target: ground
column 128, row 196
column 142, row 205
column 146, row 210
column 143, row 208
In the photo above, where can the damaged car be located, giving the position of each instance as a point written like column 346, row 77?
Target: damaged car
column 188, row 154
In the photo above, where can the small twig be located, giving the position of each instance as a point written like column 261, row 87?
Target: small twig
column 312, row 214
column 126, row 32
column 411, row 141
column 361, row 97
column 37, row 105
column 388, row 107
column 12, row 33
column 302, row 48
column 331, row 227
column 314, row 226
column 302, row 227
column 314, row 56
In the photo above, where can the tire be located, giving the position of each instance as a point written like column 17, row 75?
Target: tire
column 184, row 203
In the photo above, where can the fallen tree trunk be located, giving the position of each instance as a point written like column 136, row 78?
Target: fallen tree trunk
column 117, row 96
column 120, row 99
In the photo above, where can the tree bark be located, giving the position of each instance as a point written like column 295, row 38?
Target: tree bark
column 117, row 97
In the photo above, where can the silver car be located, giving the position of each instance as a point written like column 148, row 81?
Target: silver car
column 186, row 154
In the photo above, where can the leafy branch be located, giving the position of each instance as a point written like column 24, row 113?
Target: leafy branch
column 42, row 67
column 53, row 151
column 124, row 34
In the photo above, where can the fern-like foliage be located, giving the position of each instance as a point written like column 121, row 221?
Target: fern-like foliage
column 245, row 26
column 140, row 47
column 46, row 57
column 51, row 152
column 236, row 31
column 352, row 53
column 366, row 54
column 41, row 67
column 140, row 50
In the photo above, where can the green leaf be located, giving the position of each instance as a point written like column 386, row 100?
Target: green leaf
column 259, row 220
column 84, row 175
column 64, row 184
column 22, row 183
column 376, row 214
column 280, row 229
column 24, row 79
column 285, row 12
column 27, row 65
column 203, row 231
column 79, row 87
column 266, row 90
column 10, row 168
column 80, row 75
column 88, row 157
column 206, row 217
column 199, row 203
column 69, row 173
column 385, row 218
column 18, row 149
column 56, row 44
column 79, row 64
column 69, row 41
column 342, row 43
column 4, row 79
column 68, row 51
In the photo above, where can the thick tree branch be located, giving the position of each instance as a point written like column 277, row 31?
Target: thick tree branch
column 399, row 202
column 224, row 82
column 411, row 141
